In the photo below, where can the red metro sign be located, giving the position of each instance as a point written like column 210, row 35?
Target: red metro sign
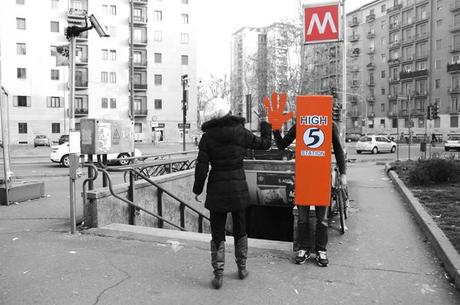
column 321, row 23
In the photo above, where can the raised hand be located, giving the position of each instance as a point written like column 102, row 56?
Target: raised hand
column 275, row 110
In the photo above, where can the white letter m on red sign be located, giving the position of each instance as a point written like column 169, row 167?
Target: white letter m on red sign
column 321, row 26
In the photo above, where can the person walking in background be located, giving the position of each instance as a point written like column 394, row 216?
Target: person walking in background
column 223, row 146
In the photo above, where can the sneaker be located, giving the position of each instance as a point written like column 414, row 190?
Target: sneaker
column 321, row 258
column 302, row 256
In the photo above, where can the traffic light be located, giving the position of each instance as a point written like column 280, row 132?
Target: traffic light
column 336, row 112
column 334, row 92
column 436, row 111
column 429, row 112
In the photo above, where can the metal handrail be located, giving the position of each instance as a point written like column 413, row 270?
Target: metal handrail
column 108, row 182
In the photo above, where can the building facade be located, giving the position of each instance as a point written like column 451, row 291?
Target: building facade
column 163, row 51
column 403, row 57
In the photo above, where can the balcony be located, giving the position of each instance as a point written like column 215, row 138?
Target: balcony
column 355, row 114
column 393, row 61
column 394, row 26
column 371, row 115
column 407, row 40
column 371, row 51
column 422, row 18
column 417, row 112
column 355, row 53
column 370, row 83
column 422, row 36
column 393, row 79
column 370, row 35
column 395, row 45
column 421, row 56
column 140, row 112
column 76, row 15
column 410, row 74
column 453, row 68
column 79, row 112
column 454, row 48
column 142, row 2
column 392, row 114
column 454, row 28
column 370, row 99
column 142, row 42
column 454, row 7
column 140, row 87
column 392, row 97
column 394, row 8
column 403, row 113
column 420, row 93
column 139, row 20
column 354, row 68
column 354, row 84
column 408, row 22
column 81, row 84
column 353, row 38
column 454, row 90
column 354, row 22
column 370, row 18
column 407, row 59
column 370, row 66
column 82, row 37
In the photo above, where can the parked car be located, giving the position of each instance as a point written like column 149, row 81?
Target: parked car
column 63, row 138
column 41, row 140
column 375, row 144
column 60, row 154
column 453, row 142
column 352, row 137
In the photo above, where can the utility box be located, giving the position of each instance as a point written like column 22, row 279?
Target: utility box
column 100, row 136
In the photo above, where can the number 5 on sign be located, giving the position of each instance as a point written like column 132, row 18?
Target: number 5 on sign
column 313, row 150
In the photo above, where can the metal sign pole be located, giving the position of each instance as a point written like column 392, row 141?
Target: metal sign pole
column 72, row 168
column 410, row 124
column 344, row 74
column 5, row 141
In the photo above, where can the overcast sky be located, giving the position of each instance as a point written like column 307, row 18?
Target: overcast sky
column 218, row 19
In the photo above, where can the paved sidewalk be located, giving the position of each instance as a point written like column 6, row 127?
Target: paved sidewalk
column 382, row 259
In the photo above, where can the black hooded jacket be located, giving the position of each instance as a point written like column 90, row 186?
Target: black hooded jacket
column 223, row 145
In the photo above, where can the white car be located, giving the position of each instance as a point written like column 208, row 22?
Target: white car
column 453, row 142
column 375, row 144
column 60, row 154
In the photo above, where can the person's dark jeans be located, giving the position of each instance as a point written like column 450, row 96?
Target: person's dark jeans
column 218, row 221
column 304, row 231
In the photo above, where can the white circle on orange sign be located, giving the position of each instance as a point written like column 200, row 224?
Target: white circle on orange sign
column 313, row 137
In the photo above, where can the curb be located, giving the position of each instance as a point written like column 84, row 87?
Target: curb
column 441, row 244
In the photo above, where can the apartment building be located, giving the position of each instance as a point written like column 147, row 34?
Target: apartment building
column 163, row 51
column 404, row 56
column 264, row 60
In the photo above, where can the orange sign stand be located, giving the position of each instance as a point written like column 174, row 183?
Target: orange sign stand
column 313, row 150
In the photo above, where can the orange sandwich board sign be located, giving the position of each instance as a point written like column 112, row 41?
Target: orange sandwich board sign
column 313, row 150
column 321, row 23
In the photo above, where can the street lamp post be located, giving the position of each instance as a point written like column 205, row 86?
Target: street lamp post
column 185, row 80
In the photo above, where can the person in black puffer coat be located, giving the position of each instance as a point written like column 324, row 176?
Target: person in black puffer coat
column 223, row 145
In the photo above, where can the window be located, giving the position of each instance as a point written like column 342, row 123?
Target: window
column 437, row 64
column 454, row 121
column 158, row 104
column 104, row 103
column 184, row 1
column 20, row 48
column 382, row 24
column 111, row 30
column 54, row 74
column 158, row 58
column 158, row 79
column 158, row 15
column 184, row 38
column 21, row 23
column 382, row 91
column 21, row 73
column 437, row 83
column 113, row 54
column 113, row 77
column 184, row 60
column 55, row 128
column 54, row 4
column 384, row 58
column 438, row 44
column 21, row 101
column 104, row 77
column 382, row 74
column 54, row 26
column 382, row 109
column 21, row 2
column 184, row 18
column 104, row 54
column 113, row 103
column 158, row 36
column 137, row 127
column 421, row 65
column 383, row 8
column 105, row 9
column 54, row 102
column 22, row 128
column 113, row 10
